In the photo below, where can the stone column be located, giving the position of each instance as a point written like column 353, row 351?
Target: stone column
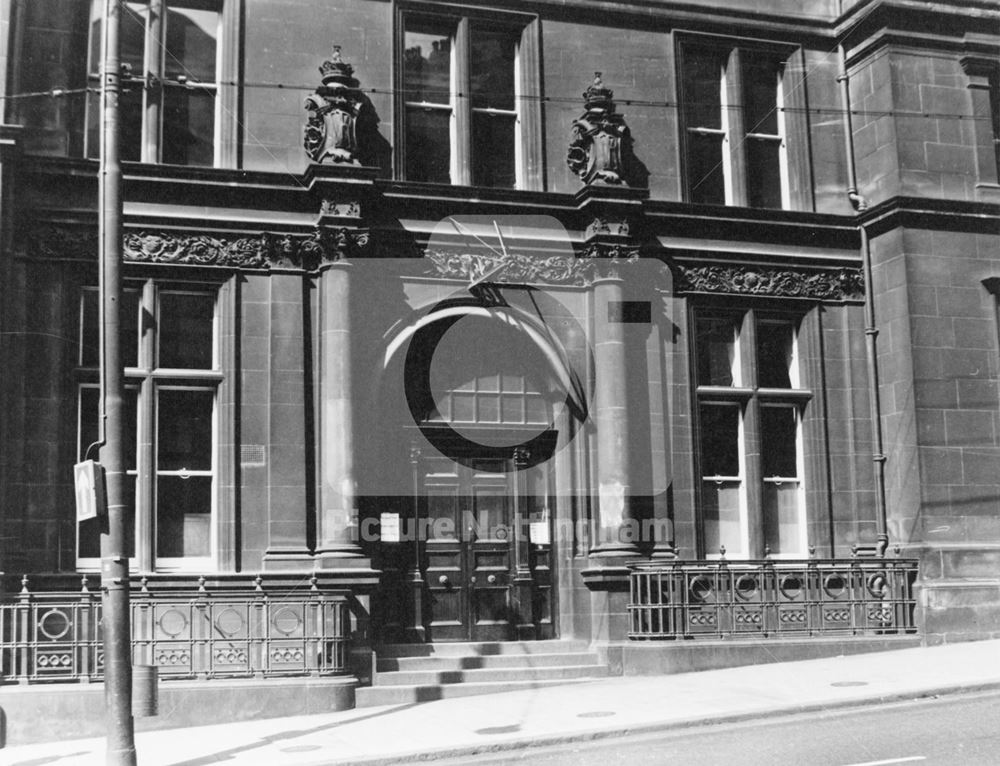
column 615, row 532
column 337, row 525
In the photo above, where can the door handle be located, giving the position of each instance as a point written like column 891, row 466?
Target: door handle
column 491, row 579
column 443, row 579
column 472, row 580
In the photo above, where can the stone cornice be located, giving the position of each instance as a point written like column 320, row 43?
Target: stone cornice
column 842, row 284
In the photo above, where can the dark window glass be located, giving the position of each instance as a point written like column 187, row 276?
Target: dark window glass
column 493, row 150
column 492, row 68
column 778, row 430
column 188, row 126
column 89, row 545
column 702, row 89
column 183, row 516
column 186, row 331
column 427, row 64
column 428, row 145
column 184, row 430
column 774, row 354
column 763, row 172
column 90, row 349
column 760, row 94
column 191, row 38
column 716, row 350
column 719, row 429
column 706, row 182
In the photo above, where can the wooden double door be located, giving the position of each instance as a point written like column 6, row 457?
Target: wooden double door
column 486, row 579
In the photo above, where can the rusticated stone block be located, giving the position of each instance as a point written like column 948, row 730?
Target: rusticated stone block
column 973, row 564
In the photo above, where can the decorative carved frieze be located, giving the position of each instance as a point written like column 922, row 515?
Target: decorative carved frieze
column 599, row 137
column 263, row 251
column 833, row 284
column 517, row 268
column 331, row 131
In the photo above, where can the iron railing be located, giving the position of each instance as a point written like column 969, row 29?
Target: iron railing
column 771, row 598
column 250, row 632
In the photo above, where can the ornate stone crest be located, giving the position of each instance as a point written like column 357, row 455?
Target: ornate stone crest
column 331, row 132
column 599, row 134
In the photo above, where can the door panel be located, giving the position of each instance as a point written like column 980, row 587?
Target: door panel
column 489, row 553
column 445, row 554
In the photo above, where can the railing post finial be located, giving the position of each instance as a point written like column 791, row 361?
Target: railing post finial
column 24, row 585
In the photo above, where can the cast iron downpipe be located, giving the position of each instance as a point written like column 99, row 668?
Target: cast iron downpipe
column 860, row 204
column 114, row 556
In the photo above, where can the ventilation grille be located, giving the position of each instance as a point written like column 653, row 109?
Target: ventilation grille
column 252, row 454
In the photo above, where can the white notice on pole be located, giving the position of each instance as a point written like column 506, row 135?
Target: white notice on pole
column 389, row 523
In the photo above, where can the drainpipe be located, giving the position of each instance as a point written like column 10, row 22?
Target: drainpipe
column 860, row 204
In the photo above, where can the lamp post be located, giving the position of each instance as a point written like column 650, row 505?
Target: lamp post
column 114, row 556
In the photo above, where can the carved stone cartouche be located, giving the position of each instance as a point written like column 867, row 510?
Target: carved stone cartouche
column 595, row 152
column 331, row 131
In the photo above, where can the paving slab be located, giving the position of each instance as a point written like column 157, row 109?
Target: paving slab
column 551, row 714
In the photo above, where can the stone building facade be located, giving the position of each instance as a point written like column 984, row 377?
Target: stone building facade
column 675, row 283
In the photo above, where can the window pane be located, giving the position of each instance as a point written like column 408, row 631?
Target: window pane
column 186, row 330
column 129, row 120
column 719, row 430
column 760, row 94
column 427, row 64
column 188, row 126
column 778, row 427
column 89, row 531
column 183, row 516
column 428, row 145
column 703, row 89
column 715, row 345
column 184, row 429
column 775, row 354
column 782, row 517
column 705, row 179
column 493, row 150
column 132, row 31
column 492, row 68
column 721, row 516
column 90, row 410
column 764, row 172
column 191, row 44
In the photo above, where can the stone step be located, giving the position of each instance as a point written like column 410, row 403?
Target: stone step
column 481, row 648
column 370, row 696
column 470, row 662
column 425, row 678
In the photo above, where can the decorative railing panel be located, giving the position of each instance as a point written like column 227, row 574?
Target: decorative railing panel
column 771, row 598
column 57, row 636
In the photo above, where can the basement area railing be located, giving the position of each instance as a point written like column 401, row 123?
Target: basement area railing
column 249, row 631
column 771, row 598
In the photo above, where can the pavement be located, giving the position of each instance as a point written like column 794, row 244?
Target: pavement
column 550, row 715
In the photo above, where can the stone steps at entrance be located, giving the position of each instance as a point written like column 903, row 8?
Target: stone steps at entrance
column 407, row 673
column 481, row 648
column 546, row 673
column 475, row 662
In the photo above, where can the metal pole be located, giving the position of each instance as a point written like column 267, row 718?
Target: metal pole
column 114, row 557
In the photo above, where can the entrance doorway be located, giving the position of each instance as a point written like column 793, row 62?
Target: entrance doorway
column 487, row 552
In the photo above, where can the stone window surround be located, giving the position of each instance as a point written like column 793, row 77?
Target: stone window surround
column 145, row 378
column 797, row 173
column 230, row 51
column 529, row 170
column 749, row 398
column 983, row 75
